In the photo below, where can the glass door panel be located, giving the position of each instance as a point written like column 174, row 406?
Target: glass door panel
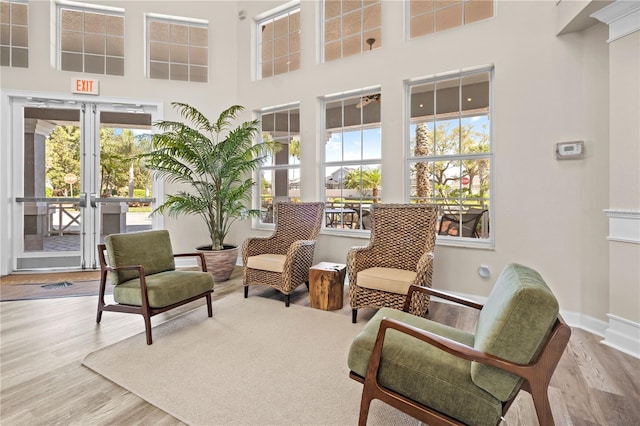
column 80, row 180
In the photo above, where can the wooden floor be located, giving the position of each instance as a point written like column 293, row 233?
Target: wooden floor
column 42, row 343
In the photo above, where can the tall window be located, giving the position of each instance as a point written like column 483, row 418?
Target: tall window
column 428, row 16
column 351, row 27
column 279, row 43
column 91, row 39
column 352, row 157
column 450, row 152
column 279, row 176
column 14, row 34
column 177, row 48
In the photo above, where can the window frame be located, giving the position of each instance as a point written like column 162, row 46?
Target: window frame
column 273, row 15
column 463, row 3
column 411, row 159
column 87, row 8
column 11, row 46
column 363, row 5
column 257, row 203
column 362, row 162
column 177, row 20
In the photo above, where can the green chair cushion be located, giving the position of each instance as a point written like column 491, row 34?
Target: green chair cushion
column 164, row 288
column 515, row 320
column 151, row 249
column 424, row 373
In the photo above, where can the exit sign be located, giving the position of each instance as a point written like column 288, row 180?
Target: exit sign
column 87, row 86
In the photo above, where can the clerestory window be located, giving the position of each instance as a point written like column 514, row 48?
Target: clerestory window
column 90, row 38
column 177, row 48
column 14, row 34
column 278, row 39
column 429, row 16
column 350, row 27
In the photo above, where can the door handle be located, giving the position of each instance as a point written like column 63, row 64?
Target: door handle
column 82, row 202
column 92, row 200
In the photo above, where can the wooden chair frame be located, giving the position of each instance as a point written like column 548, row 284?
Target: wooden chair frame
column 537, row 374
column 145, row 310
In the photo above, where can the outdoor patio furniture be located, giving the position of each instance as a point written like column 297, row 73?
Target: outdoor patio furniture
column 400, row 253
column 461, row 224
column 282, row 260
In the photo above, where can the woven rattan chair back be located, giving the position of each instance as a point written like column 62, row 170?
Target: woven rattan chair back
column 297, row 221
column 295, row 234
column 402, row 233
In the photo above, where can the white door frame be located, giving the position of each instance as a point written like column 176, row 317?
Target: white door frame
column 11, row 159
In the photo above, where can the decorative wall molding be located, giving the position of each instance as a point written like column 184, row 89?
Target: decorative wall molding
column 622, row 17
column 624, row 225
column 623, row 335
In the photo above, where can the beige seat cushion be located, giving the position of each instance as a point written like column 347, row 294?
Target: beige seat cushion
column 267, row 262
column 391, row 280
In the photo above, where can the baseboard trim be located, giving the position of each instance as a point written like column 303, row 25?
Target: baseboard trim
column 623, row 335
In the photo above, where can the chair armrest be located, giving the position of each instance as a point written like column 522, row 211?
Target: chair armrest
column 203, row 263
column 304, row 248
column 452, row 347
column 441, row 294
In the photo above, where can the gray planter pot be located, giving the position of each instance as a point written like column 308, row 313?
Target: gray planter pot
column 220, row 263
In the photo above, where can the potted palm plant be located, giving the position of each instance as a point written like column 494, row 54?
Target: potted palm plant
column 214, row 163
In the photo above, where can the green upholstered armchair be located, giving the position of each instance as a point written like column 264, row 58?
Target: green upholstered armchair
column 144, row 274
column 442, row 375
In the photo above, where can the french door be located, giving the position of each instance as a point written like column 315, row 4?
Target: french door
column 78, row 179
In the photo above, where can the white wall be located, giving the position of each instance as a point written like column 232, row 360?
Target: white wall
column 548, row 214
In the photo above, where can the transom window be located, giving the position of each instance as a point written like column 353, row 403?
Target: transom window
column 177, row 48
column 279, row 175
column 14, row 34
column 279, row 42
column 450, row 156
column 91, row 39
column 429, row 16
column 351, row 27
column 352, row 158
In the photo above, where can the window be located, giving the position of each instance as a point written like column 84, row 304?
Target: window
column 350, row 27
column 450, row 151
column 279, row 175
column 91, row 39
column 177, row 48
column 352, row 158
column 14, row 34
column 429, row 16
column 279, row 43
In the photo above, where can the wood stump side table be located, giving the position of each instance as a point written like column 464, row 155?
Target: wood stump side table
column 326, row 285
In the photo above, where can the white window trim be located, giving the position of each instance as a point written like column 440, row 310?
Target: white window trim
column 82, row 7
column 268, row 16
column 157, row 17
column 481, row 243
column 257, row 196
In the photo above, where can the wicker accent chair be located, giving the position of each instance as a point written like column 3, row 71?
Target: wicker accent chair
column 400, row 253
column 282, row 261
column 442, row 375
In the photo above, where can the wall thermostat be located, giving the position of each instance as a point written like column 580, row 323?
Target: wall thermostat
column 569, row 150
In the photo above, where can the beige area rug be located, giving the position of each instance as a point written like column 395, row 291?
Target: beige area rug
column 254, row 363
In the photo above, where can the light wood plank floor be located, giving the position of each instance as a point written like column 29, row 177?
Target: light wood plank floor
column 42, row 343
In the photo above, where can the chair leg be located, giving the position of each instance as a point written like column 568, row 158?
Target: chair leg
column 99, row 316
column 354, row 316
column 246, row 291
column 209, row 306
column 287, row 300
column 365, row 403
column 147, row 327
